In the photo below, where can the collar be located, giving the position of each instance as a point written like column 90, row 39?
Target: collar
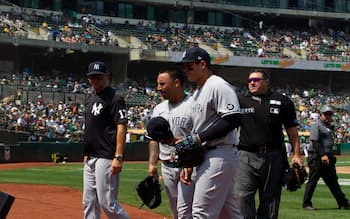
column 268, row 93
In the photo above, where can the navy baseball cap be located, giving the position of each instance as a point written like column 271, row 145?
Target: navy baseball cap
column 195, row 54
column 97, row 68
column 158, row 129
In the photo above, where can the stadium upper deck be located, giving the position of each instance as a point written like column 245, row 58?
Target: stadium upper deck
column 247, row 14
column 212, row 12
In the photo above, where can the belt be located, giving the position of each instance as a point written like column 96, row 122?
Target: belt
column 211, row 148
column 259, row 149
column 216, row 147
column 169, row 163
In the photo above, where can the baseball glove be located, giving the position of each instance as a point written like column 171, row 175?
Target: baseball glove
column 294, row 177
column 149, row 191
column 188, row 152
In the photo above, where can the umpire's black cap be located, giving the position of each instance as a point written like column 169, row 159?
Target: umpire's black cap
column 97, row 68
column 195, row 54
column 158, row 129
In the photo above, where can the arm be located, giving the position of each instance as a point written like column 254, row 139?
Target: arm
column 153, row 148
column 116, row 166
column 220, row 128
column 320, row 151
column 293, row 136
column 317, row 147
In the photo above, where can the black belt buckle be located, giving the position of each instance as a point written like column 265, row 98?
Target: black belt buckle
column 169, row 163
column 263, row 149
column 211, row 148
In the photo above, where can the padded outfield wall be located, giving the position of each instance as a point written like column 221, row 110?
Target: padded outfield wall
column 42, row 151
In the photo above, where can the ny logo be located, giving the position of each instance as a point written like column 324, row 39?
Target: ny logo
column 96, row 109
column 96, row 67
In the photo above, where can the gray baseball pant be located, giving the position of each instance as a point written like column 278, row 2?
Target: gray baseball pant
column 101, row 190
column 180, row 195
column 214, row 196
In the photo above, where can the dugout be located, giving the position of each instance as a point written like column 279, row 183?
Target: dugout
column 43, row 151
column 344, row 149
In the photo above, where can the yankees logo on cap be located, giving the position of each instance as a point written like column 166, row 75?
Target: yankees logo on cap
column 97, row 68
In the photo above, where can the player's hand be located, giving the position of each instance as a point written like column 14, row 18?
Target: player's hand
column 153, row 170
column 325, row 159
column 177, row 139
column 116, row 166
column 185, row 175
column 297, row 159
column 193, row 137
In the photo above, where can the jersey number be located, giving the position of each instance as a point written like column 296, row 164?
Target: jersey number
column 122, row 113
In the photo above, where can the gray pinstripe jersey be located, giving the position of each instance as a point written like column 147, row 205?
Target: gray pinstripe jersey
column 179, row 120
column 217, row 98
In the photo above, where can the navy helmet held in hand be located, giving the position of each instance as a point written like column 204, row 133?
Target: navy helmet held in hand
column 158, row 129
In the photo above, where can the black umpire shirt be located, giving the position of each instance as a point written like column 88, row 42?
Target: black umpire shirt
column 103, row 111
column 262, row 118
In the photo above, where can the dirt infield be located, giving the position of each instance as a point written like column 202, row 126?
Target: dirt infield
column 54, row 202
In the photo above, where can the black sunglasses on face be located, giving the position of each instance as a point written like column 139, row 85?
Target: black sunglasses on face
column 255, row 80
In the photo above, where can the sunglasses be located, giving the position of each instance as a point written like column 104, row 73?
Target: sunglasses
column 255, row 80
column 328, row 114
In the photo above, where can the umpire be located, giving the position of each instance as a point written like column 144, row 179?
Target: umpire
column 321, row 160
column 262, row 153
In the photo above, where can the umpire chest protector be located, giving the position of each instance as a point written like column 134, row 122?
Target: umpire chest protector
column 264, row 116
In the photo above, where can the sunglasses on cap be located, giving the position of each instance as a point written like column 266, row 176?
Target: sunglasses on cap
column 255, row 80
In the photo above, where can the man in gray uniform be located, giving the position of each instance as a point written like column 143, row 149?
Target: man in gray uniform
column 215, row 112
column 174, row 109
column 321, row 160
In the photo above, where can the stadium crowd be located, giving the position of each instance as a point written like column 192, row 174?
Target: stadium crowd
column 64, row 120
column 258, row 41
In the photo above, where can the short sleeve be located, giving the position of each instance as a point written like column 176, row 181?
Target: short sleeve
column 119, row 111
column 290, row 118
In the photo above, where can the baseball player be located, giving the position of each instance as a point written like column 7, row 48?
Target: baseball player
column 215, row 112
column 262, row 153
column 104, row 142
column 170, row 85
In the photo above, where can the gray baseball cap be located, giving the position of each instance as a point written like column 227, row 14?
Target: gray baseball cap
column 326, row 109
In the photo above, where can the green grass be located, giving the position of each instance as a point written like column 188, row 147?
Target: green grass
column 71, row 175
